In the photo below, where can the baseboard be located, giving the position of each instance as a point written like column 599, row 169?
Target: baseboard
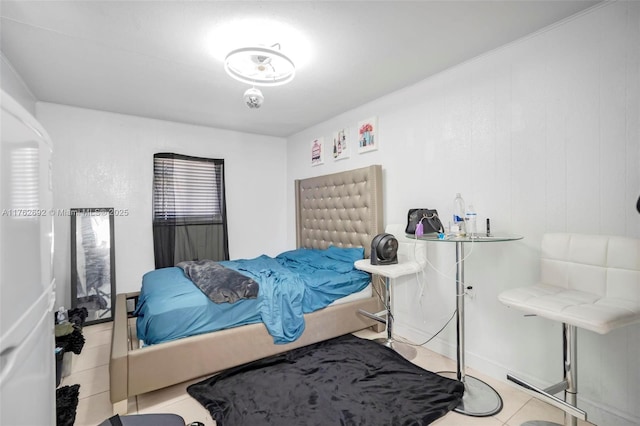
column 604, row 415
column 597, row 413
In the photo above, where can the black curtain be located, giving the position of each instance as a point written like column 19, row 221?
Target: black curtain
column 189, row 209
column 163, row 244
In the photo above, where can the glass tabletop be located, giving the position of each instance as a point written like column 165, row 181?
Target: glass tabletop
column 476, row 238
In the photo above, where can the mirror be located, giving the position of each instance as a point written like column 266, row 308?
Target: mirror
column 93, row 262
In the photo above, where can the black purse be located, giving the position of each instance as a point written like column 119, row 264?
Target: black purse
column 429, row 219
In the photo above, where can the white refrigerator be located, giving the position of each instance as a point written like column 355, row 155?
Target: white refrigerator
column 27, row 287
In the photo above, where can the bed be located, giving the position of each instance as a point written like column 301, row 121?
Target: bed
column 340, row 209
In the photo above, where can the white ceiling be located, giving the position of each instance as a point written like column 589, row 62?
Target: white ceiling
column 158, row 58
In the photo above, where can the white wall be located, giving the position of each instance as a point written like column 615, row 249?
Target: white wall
column 106, row 160
column 12, row 83
column 540, row 135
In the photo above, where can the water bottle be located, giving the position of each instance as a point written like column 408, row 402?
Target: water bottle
column 459, row 212
column 472, row 227
column 62, row 315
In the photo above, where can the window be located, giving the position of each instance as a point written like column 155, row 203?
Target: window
column 189, row 214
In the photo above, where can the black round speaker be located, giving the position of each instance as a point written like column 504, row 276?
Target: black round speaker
column 384, row 250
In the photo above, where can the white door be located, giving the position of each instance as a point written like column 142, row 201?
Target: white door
column 27, row 358
column 27, row 384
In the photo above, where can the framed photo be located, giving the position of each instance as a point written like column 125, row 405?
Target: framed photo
column 368, row 135
column 341, row 144
column 317, row 152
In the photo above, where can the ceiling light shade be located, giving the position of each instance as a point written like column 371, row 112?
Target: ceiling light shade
column 260, row 66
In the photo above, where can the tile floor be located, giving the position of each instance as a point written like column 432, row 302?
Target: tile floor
column 90, row 370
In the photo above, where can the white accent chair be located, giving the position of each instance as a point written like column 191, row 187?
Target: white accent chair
column 412, row 258
column 586, row 281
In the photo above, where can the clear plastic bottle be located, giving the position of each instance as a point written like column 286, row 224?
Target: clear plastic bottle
column 62, row 315
column 472, row 227
column 459, row 212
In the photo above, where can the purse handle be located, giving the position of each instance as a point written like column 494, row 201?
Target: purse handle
column 420, row 226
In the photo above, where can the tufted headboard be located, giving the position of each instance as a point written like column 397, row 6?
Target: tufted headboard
column 342, row 209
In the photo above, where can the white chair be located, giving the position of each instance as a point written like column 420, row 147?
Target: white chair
column 412, row 258
column 586, row 281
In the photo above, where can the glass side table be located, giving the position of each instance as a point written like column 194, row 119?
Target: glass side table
column 479, row 399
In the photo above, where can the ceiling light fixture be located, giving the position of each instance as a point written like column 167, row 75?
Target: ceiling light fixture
column 260, row 66
column 253, row 98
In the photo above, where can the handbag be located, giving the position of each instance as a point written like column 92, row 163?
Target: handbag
column 427, row 217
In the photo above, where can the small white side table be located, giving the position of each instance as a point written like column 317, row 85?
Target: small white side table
column 386, row 317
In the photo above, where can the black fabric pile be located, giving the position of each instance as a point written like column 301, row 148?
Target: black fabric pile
column 342, row 381
column 66, row 404
column 72, row 342
column 69, row 335
column 220, row 284
column 78, row 316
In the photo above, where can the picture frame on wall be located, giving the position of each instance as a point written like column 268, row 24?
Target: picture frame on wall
column 317, row 151
column 368, row 135
column 341, row 144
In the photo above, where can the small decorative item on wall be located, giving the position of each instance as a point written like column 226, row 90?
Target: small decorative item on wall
column 368, row 135
column 317, row 152
column 341, row 144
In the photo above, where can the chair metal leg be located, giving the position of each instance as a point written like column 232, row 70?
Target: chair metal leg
column 570, row 352
column 383, row 316
column 386, row 317
column 569, row 384
column 389, row 316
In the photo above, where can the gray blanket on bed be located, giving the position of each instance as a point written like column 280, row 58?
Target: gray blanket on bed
column 220, row 284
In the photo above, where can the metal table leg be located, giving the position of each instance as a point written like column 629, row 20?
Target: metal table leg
column 479, row 399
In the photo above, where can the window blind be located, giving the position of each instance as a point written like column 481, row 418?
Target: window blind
column 187, row 190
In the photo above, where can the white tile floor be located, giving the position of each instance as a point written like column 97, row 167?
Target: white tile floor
column 90, row 370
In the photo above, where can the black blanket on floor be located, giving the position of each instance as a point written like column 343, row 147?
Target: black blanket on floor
column 66, row 405
column 342, row 381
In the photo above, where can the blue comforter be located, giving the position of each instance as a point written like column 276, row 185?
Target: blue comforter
column 292, row 284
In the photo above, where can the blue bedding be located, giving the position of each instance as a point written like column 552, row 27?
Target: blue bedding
column 293, row 283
